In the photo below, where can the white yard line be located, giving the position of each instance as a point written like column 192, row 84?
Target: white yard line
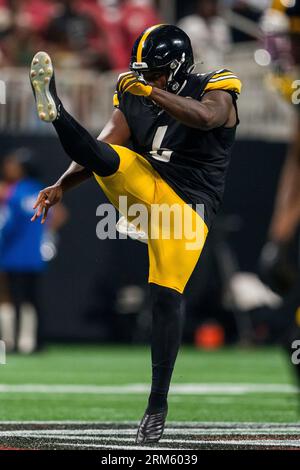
column 177, row 434
column 91, row 433
column 177, row 389
column 119, row 442
column 219, row 442
column 114, row 446
column 295, row 441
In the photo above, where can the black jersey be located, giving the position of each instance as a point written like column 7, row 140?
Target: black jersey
column 192, row 161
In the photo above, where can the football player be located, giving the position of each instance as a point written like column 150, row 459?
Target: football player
column 182, row 128
column 282, row 26
column 279, row 268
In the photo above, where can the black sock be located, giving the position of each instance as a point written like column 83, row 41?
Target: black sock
column 82, row 148
column 167, row 323
column 157, row 402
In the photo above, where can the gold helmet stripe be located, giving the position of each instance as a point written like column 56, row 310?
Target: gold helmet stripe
column 142, row 41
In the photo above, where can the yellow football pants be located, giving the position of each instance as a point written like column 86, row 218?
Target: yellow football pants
column 176, row 232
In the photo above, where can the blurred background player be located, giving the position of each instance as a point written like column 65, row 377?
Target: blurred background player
column 21, row 252
column 209, row 32
column 280, row 266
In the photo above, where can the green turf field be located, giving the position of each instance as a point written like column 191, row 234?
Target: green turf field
column 72, row 366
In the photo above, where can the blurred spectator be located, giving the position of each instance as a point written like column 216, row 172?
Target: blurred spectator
column 122, row 21
column 76, row 37
column 137, row 15
column 209, row 33
column 251, row 10
column 32, row 14
column 21, row 259
column 79, row 33
column 21, row 25
column 108, row 17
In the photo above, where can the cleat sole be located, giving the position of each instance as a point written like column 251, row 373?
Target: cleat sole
column 40, row 66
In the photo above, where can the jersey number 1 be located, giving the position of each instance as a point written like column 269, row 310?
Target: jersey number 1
column 164, row 155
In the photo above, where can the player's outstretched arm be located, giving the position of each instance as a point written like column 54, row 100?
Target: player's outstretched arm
column 48, row 197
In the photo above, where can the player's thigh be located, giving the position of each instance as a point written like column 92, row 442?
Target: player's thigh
column 134, row 179
column 175, row 242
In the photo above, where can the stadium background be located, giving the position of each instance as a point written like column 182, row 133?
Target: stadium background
column 80, row 288
column 95, row 290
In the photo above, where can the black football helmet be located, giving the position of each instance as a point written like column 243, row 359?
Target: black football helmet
column 164, row 48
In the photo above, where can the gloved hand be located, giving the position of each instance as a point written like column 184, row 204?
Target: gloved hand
column 132, row 83
column 277, row 268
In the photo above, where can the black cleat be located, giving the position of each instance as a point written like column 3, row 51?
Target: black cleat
column 151, row 427
column 43, row 85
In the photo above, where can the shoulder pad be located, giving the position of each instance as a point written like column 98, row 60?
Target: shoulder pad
column 223, row 79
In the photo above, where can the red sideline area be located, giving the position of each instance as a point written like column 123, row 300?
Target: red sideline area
column 10, row 448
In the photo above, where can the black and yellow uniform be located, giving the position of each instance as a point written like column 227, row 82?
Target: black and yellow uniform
column 193, row 162
column 174, row 164
column 170, row 165
column 292, row 12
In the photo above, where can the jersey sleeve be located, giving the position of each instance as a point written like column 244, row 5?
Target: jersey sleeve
column 120, row 101
column 116, row 100
column 224, row 79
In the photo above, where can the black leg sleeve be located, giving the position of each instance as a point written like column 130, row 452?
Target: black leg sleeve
column 82, row 148
column 167, row 324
